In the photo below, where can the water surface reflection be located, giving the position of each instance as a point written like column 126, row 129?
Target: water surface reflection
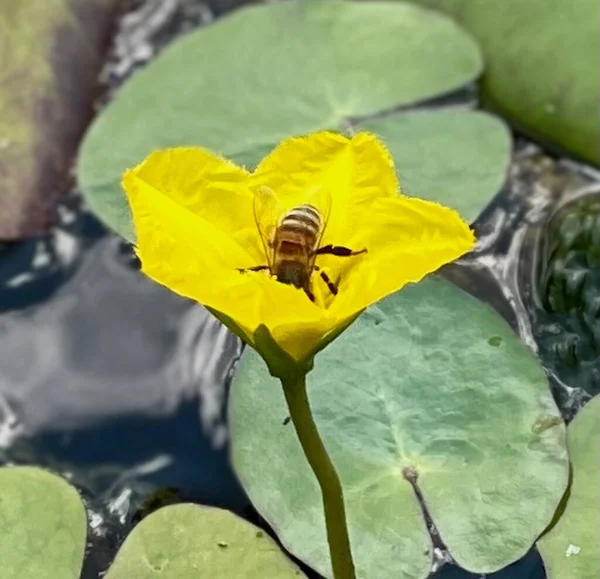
column 111, row 380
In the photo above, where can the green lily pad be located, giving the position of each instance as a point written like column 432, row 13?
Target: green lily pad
column 43, row 525
column 431, row 382
column 51, row 52
column 201, row 542
column 572, row 547
column 454, row 156
column 241, row 85
column 541, row 65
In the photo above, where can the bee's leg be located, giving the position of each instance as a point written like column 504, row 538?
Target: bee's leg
column 310, row 295
column 255, row 268
column 333, row 287
column 338, row 250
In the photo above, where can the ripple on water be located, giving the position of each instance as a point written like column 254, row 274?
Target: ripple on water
column 113, row 381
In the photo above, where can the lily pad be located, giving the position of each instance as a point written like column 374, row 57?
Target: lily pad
column 427, row 383
column 240, row 86
column 454, row 156
column 201, row 542
column 43, row 525
column 572, row 547
column 51, row 53
column 541, row 65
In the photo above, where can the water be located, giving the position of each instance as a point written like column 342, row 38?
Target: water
column 564, row 288
column 121, row 386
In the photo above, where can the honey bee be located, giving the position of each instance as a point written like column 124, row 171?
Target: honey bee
column 292, row 239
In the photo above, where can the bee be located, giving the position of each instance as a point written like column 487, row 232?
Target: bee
column 292, row 239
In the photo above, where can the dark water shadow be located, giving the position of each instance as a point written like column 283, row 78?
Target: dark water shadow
column 530, row 567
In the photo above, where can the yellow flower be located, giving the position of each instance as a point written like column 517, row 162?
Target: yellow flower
column 195, row 227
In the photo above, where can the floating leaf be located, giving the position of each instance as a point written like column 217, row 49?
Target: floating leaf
column 50, row 54
column 572, row 547
column 240, row 86
column 201, row 542
column 541, row 65
column 43, row 525
column 428, row 382
column 455, row 157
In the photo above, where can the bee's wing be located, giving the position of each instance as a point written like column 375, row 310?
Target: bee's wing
column 321, row 199
column 267, row 212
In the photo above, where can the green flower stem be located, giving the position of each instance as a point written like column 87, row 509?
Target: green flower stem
column 331, row 488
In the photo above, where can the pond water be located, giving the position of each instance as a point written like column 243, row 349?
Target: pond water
column 121, row 386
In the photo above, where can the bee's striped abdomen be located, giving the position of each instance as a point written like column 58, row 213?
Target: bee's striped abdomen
column 304, row 221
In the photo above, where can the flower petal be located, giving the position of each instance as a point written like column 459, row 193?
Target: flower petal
column 301, row 337
column 353, row 170
column 183, row 251
column 209, row 186
column 196, row 259
column 406, row 239
column 194, row 220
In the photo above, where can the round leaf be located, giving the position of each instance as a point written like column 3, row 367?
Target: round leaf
column 430, row 381
column 43, row 525
column 572, row 547
column 542, row 65
column 195, row 541
column 455, row 157
column 242, row 85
